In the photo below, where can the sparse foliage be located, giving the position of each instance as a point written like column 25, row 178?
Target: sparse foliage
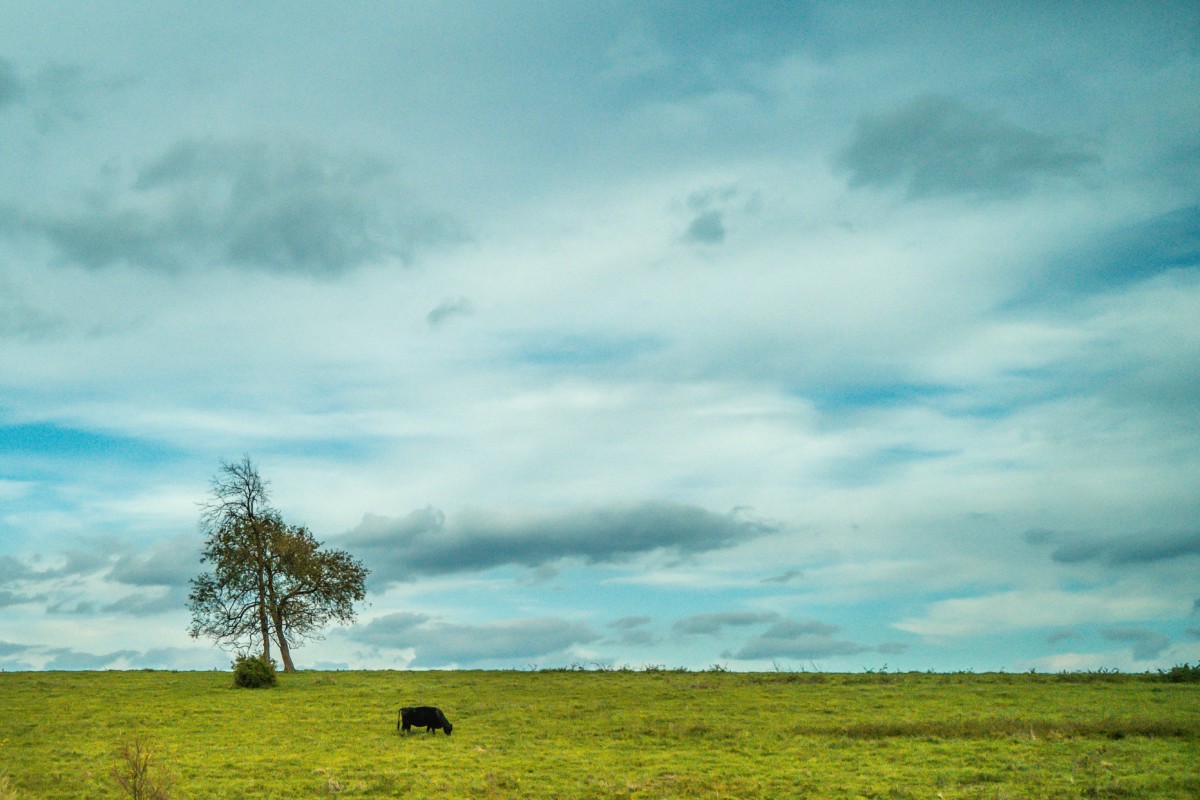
column 311, row 587
column 136, row 774
column 268, row 581
column 229, row 604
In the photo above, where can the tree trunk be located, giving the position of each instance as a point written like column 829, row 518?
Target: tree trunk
column 285, row 652
column 266, row 630
column 263, row 576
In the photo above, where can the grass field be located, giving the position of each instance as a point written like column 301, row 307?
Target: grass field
column 612, row 734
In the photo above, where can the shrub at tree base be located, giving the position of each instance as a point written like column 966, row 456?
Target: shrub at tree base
column 253, row 672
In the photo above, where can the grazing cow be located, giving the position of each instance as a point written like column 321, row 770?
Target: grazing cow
column 427, row 717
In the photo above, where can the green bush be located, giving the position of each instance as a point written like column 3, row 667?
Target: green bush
column 1182, row 673
column 254, row 672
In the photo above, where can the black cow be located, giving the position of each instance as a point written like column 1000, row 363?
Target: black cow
column 427, row 717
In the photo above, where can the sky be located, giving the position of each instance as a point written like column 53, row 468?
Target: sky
column 768, row 336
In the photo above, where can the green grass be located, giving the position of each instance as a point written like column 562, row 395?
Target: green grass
column 608, row 734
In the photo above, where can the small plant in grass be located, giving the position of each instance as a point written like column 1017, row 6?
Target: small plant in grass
column 254, row 672
column 135, row 774
column 7, row 790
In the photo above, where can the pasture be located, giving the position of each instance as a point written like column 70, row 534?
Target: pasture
column 607, row 734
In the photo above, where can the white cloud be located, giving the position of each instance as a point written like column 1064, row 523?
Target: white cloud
column 436, row 642
column 1083, row 662
column 13, row 490
column 1023, row 610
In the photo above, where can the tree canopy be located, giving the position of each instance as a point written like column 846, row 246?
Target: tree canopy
column 267, row 581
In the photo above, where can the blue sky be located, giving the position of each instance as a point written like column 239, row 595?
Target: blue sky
column 800, row 336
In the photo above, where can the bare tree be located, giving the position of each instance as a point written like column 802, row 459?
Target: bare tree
column 133, row 774
column 230, row 603
column 268, row 580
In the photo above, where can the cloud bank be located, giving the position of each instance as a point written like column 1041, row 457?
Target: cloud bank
column 935, row 146
column 259, row 204
column 423, row 543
